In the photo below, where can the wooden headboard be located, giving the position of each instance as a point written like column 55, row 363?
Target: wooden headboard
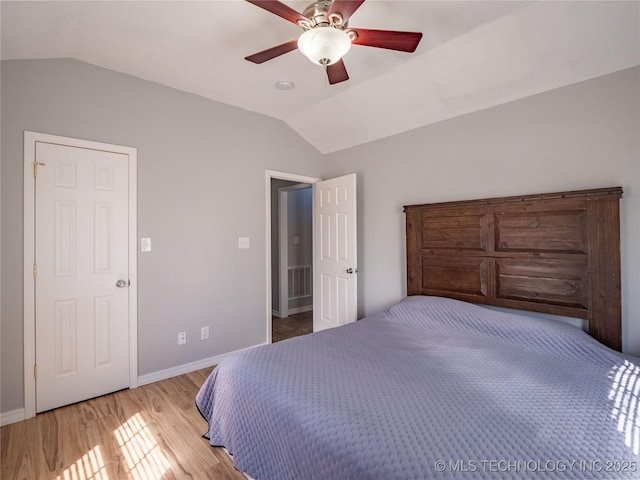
column 556, row 253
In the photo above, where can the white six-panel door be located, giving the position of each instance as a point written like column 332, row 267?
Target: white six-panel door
column 82, row 278
column 335, row 252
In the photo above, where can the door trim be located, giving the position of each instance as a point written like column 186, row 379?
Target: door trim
column 272, row 174
column 30, row 140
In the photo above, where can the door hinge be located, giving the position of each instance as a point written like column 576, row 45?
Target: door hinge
column 35, row 270
column 35, row 167
column 35, row 371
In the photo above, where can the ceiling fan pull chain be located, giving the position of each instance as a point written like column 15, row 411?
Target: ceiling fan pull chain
column 326, row 77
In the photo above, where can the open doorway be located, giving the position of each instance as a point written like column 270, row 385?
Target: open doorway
column 334, row 250
column 291, row 259
column 296, row 251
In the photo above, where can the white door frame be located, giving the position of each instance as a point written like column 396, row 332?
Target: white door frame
column 283, row 232
column 30, row 139
column 272, row 174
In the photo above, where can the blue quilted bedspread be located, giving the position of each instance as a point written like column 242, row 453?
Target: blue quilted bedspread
column 430, row 388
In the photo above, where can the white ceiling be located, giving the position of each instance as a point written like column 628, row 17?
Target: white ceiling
column 474, row 55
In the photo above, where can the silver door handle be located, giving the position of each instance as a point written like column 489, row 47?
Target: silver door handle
column 121, row 283
column 351, row 270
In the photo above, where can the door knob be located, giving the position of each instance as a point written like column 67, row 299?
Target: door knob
column 349, row 271
column 121, row 283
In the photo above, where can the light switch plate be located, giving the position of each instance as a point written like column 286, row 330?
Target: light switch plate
column 243, row 242
column 145, row 244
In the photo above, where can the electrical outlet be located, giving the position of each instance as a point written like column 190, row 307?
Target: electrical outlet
column 182, row 338
column 204, row 333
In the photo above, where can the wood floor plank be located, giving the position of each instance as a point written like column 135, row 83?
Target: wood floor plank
column 17, row 455
column 291, row 326
column 150, row 433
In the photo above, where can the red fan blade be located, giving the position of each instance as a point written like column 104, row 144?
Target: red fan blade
column 403, row 41
column 345, row 8
column 272, row 52
column 337, row 72
column 280, row 9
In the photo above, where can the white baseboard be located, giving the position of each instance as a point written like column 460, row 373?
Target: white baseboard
column 294, row 310
column 13, row 416
column 17, row 415
column 188, row 367
column 304, row 308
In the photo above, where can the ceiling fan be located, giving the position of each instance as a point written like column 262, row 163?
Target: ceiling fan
column 327, row 36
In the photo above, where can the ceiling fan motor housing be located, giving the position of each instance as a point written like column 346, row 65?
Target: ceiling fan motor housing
column 318, row 15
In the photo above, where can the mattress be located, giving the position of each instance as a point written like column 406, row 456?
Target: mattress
column 429, row 388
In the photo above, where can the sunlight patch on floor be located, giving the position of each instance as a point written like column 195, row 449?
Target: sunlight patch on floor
column 142, row 454
column 625, row 394
column 90, row 467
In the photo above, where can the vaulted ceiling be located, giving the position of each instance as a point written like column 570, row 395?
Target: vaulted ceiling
column 473, row 55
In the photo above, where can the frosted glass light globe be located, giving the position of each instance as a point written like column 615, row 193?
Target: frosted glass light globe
column 324, row 45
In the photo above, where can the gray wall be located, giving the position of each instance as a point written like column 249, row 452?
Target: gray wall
column 201, row 185
column 299, row 210
column 581, row 136
column 299, row 222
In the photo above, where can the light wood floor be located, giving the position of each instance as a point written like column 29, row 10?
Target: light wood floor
column 149, row 433
column 153, row 432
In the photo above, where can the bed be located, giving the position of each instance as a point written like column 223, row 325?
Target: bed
column 437, row 387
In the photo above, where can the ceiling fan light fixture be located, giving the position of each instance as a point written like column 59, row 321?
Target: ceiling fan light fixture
column 324, row 45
